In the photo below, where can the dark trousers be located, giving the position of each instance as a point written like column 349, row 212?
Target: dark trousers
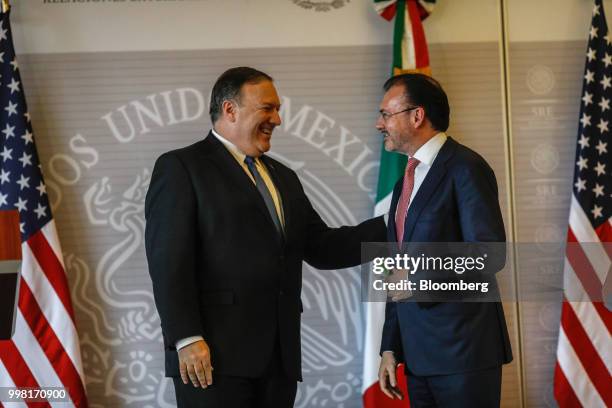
column 473, row 389
column 273, row 389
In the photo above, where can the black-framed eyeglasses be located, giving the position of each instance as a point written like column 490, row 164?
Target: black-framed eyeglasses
column 386, row 115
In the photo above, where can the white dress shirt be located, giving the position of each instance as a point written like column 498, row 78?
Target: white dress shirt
column 426, row 156
column 261, row 168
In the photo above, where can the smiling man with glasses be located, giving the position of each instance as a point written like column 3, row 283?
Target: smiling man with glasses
column 386, row 115
column 453, row 351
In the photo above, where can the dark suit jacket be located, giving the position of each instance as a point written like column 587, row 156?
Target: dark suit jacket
column 220, row 269
column 457, row 202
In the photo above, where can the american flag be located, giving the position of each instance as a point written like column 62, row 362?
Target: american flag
column 44, row 351
column 583, row 373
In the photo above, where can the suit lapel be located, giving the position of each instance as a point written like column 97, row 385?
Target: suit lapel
column 397, row 190
column 236, row 175
column 434, row 177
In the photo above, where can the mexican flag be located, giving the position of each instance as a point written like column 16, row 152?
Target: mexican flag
column 410, row 54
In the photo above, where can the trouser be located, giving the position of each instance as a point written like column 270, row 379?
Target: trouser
column 472, row 389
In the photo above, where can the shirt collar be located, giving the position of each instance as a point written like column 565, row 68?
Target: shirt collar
column 233, row 149
column 428, row 152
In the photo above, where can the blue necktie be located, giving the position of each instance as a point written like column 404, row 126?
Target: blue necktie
column 265, row 193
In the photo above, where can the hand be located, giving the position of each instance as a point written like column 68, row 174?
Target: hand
column 194, row 364
column 397, row 276
column 386, row 376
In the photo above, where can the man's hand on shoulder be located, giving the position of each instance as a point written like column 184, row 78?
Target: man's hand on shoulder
column 194, row 364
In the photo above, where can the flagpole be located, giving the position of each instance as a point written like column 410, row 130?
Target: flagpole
column 5, row 6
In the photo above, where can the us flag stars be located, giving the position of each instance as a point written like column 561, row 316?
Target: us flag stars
column 603, row 126
column 604, row 104
column 47, row 322
column 583, row 142
column 21, row 183
column 9, row 131
column 11, row 109
column 592, row 178
column 4, row 176
column 13, row 86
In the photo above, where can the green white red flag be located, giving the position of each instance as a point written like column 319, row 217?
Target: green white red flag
column 410, row 54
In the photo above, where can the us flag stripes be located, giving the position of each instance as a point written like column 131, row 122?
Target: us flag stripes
column 44, row 351
column 584, row 352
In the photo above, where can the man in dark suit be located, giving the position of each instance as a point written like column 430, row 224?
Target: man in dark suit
column 227, row 230
column 453, row 351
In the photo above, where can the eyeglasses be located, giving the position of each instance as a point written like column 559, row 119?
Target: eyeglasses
column 386, row 115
